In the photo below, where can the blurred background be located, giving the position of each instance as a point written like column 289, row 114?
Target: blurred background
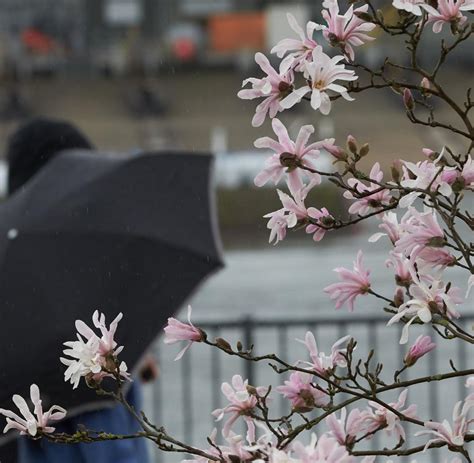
column 163, row 74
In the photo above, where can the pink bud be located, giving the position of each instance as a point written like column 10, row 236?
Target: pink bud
column 429, row 153
column 352, row 144
column 408, row 100
column 336, row 151
column 425, row 83
column 422, row 346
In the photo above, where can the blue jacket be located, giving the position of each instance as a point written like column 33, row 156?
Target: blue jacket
column 115, row 420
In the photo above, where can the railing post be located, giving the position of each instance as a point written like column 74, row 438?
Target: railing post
column 248, row 327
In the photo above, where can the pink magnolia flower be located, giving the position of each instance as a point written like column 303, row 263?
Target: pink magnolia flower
column 272, row 88
column 91, row 356
column 293, row 211
column 354, row 283
column 411, row 6
column 427, row 299
column 448, row 12
column 346, row 31
column 380, row 417
column 319, row 215
column 299, row 50
column 278, row 224
column 107, row 343
column 434, row 257
column 326, row 449
column 403, row 268
column 422, row 346
column 346, row 428
column 460, row 180
column 367, row 204
column 444, row 432
column 176, row 331
column 322, row 363
column 390, row 225
column 322, row 73
column 426, row 175
column 302, row 394
column 241, row 404
column 420, row 230
column 28, row 423
column 289, row 156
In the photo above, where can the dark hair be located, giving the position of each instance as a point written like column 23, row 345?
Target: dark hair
column 37, row 142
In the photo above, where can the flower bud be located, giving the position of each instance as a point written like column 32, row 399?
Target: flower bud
column 397, row 171
column 398, row 299
column 430, row 154
column 223, row 344
column 336, row 151
column 425, row 85
column 408, row 100
column 364, row 151
column 352, row 144
column 422, row 346
column 252, row 390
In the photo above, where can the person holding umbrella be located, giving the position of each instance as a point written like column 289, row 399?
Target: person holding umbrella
column 29, row 149
column 131, row 234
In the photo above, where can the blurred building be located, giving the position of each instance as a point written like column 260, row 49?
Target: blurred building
column 119, row 36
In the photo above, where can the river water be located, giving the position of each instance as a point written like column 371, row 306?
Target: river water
column 286, row 282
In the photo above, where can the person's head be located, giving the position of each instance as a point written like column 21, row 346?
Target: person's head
column 37, row 142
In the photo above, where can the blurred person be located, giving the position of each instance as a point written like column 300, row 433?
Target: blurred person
column 29, row 149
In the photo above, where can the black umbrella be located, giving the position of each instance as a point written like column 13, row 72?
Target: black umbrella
column 131, row 234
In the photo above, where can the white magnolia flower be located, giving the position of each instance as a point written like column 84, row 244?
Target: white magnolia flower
column 91, row 355
column 322, row 73
column 424, row 175
column 444, row 432
column 426, row 301
column 299, row 50
column 28, row 423
column 411, row 6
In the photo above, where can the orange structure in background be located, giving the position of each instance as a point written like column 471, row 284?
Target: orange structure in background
column 237, row 31
column 37, row 41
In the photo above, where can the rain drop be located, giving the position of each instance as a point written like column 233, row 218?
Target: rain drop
column 12, row 233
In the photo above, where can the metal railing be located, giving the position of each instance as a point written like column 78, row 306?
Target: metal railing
column 188, row 390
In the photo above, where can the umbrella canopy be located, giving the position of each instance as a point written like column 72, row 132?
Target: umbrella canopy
column 132, row 234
